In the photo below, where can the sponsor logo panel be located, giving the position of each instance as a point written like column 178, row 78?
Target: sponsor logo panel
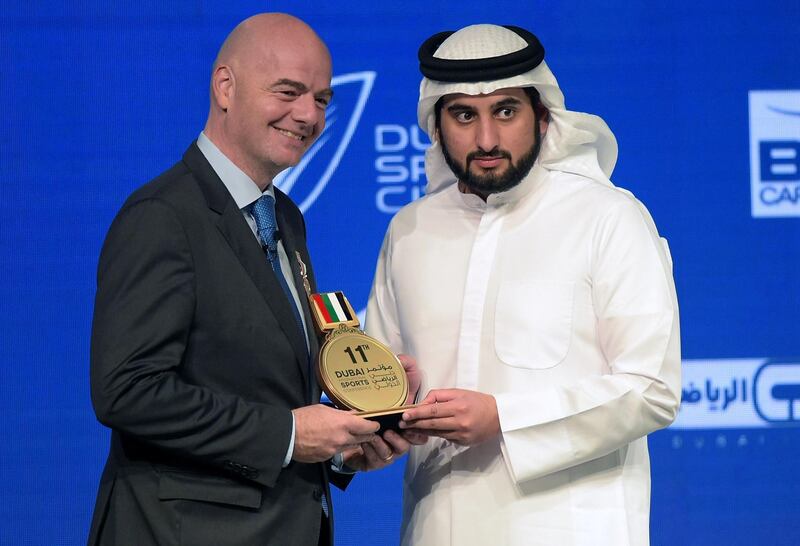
column 775, row 153
column 739, row 393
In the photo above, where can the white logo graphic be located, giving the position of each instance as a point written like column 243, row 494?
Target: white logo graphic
column 325, row 154
column 400, row 165
column 739, row 393
column 775, row 153
column 777, row 392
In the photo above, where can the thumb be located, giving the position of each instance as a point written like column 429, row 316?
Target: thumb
column 359, row 425
column 439, row 395
column 408, row 361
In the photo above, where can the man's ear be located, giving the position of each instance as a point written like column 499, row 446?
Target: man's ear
column 222, row 86
column 543, row 116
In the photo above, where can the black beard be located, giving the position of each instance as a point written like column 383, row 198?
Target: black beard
column 487, row 184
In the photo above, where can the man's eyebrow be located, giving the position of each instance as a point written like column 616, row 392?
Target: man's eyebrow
column 508, row 101
column 458, row 107
column 302, row 88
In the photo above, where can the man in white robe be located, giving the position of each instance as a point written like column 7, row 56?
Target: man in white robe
column 538, row 299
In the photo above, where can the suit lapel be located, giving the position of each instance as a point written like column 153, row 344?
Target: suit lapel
column 239, row 236
column 292, row 247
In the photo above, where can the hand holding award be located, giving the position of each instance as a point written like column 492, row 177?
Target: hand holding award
column 356, row 371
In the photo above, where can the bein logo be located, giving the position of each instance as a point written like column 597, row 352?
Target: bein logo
column 776, row 389
column 775, row 153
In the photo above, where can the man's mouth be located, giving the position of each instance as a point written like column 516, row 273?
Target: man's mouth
column 488, row 162
column 290, row 134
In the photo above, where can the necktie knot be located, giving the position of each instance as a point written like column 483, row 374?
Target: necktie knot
column 264, row 215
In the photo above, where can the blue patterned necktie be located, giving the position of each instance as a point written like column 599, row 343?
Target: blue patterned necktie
column 264, row 214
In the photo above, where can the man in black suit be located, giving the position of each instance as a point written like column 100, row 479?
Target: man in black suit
column 202, row 342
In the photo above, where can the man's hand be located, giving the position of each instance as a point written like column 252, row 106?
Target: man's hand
column 414, row 376
column 381, row 452
column 378, row 453
column 461, row 416
column 320, row 432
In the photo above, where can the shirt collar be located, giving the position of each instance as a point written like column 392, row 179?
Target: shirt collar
column 242, row 188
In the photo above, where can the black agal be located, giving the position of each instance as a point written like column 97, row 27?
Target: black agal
column 477, row 70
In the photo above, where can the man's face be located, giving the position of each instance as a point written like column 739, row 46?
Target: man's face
column 490, row 141
column 277, row 108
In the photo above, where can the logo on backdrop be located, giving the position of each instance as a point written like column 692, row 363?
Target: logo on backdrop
column 400, row 151
column 400, row 165
column 320, row 161
column 777, row 392
column 775, row 153
column 739, row 393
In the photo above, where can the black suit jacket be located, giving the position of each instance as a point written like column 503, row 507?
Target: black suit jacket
column 196, row 363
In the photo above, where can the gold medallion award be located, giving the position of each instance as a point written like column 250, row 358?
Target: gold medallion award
column 356, row 371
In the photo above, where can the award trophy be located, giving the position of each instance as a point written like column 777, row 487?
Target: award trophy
column 356, row 371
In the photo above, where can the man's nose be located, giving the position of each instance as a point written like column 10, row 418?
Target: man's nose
column 487, row 136
column 306, row 111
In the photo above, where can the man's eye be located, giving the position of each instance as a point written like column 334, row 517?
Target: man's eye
column 323, row 101
column 464, row 117
column 288, row 93
column 505, row 113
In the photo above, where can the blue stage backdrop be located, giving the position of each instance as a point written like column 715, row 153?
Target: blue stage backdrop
column 98, row 97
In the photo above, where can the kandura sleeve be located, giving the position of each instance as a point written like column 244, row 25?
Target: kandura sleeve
column 637, row 320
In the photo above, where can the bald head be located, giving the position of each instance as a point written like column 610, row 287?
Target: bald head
column 256, row 35
column 270, row 86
